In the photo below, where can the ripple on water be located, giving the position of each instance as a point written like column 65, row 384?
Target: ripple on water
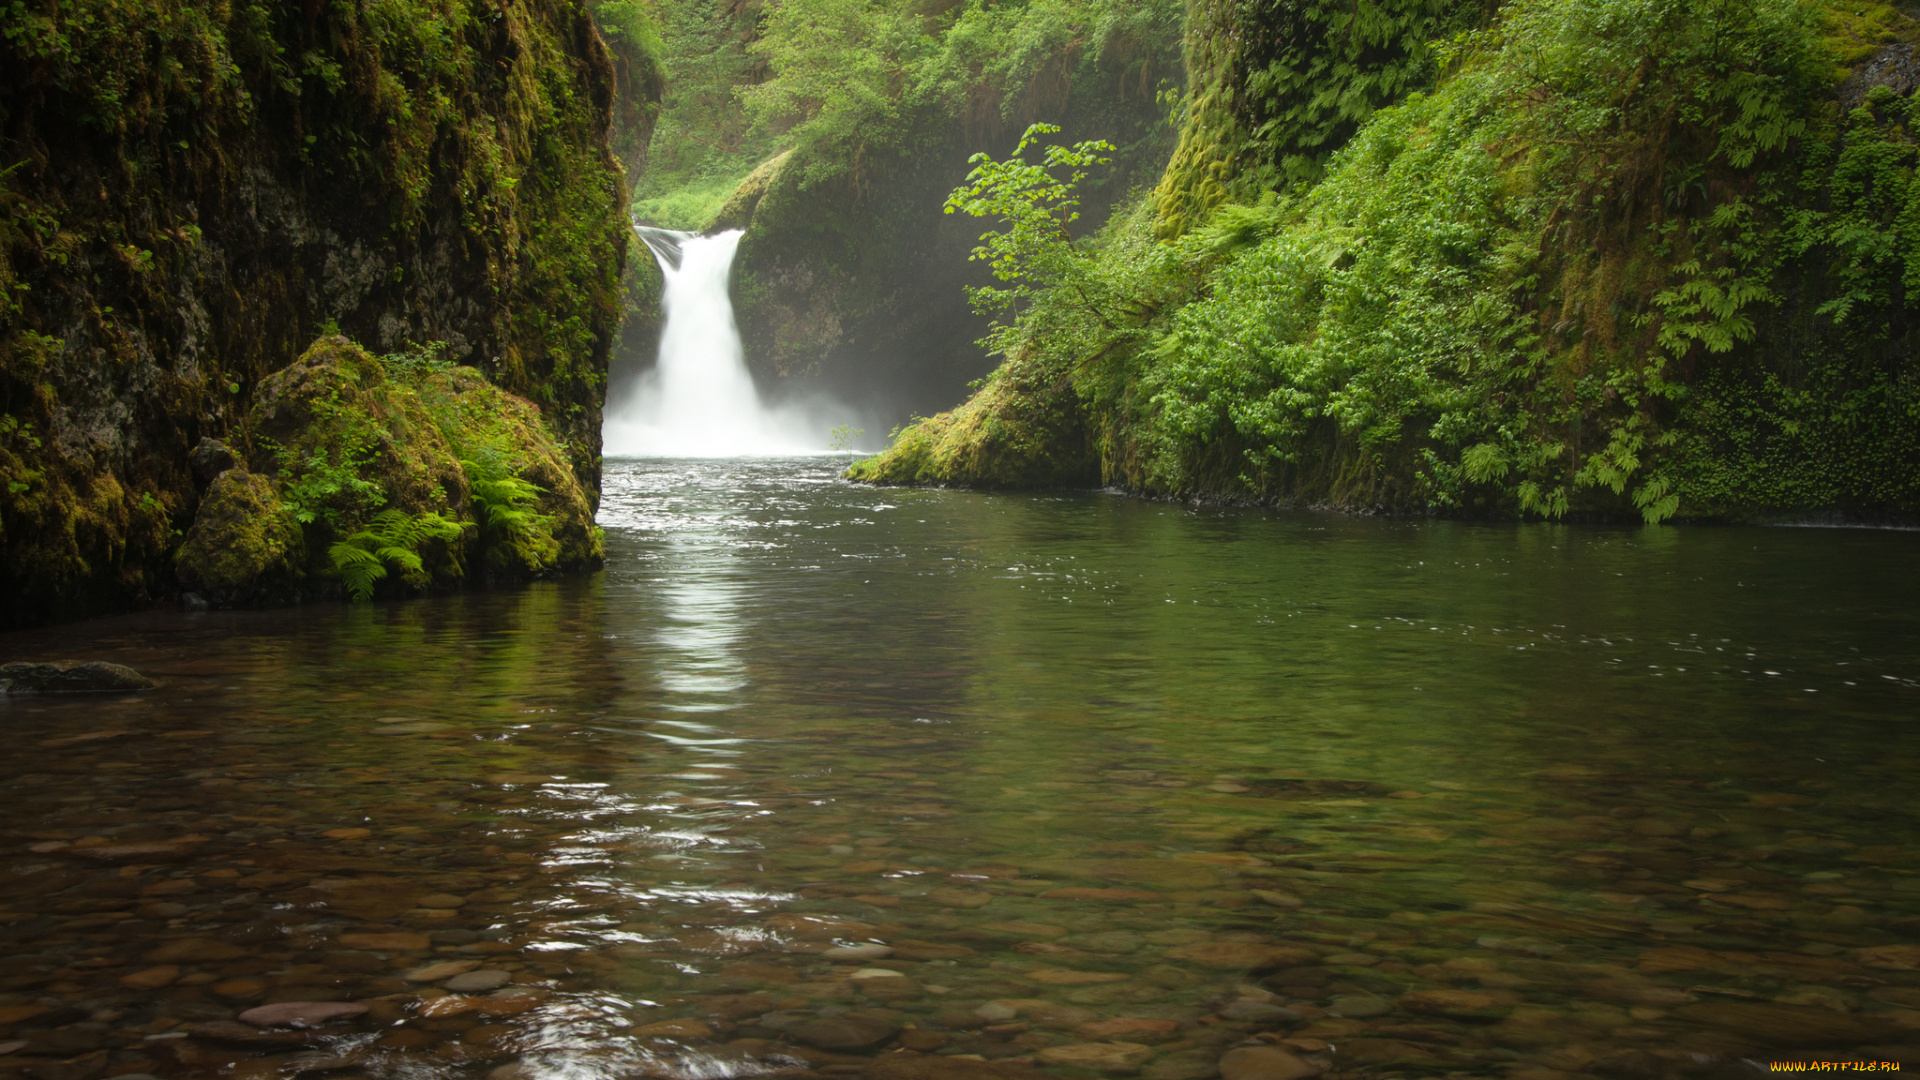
column 812, row 783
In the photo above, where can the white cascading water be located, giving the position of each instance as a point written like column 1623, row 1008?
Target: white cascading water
column 699, row 400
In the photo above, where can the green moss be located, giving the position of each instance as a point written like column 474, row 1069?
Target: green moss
column 736, row 212
column 1627, row 259
column 189, row 190
column 245, row 544
column 1025, row 428
column 348, row 436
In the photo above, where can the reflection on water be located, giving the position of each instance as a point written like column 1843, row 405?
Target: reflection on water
column 822, row 780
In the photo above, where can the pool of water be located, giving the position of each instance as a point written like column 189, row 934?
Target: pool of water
column 825, row 780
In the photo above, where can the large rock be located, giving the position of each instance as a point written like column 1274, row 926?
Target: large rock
column 245, row 545
column 341, row 436
column 72, row 677
column 335, row 407
column 414, row 430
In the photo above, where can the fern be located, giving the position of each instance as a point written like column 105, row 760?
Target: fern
column 509, row 523
column 393, row 538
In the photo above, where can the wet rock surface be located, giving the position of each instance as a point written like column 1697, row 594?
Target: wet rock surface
column 72, row 677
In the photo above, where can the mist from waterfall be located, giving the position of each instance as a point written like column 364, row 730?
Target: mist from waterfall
column 699, row 400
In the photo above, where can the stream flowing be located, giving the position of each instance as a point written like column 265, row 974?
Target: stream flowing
column 830, row 781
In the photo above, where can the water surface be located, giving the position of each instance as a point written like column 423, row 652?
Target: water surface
column 947, row 786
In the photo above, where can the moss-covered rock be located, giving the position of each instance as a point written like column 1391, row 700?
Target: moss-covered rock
column 1023, row 429
column 346, row 441
column 244, row 546
column 342, row 437
column 190, row 189
column 737, row 211
column 495, row 434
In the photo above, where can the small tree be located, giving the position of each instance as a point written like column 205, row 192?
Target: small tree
column 1035, row 250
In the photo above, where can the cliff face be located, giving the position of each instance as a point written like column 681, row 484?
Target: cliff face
column 190, row 192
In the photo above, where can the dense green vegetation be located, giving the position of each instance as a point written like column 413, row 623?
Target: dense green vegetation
column 395, row 473
column 190, row 191
column 1628, row 257
column 858, row 87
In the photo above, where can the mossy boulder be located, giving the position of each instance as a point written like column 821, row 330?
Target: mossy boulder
column 494, row 433
column 1023, row 429
column 342, row 436
column 245, row 545
column 346, row 438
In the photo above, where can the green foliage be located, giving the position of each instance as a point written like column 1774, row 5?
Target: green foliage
column 842, row 76
column 392, row 538
column 863, row 76
column 1278, row 85
column 319, row 488
column 1309, row 85
column 690, row 206
column 1036, row 206
column 513, row 532
column 405, row 143
column 859, row 86
column 844, row 436
column 331, row 483
column 631, row 22
column 703, row 143
column 1402, row 305
column 1618, row 231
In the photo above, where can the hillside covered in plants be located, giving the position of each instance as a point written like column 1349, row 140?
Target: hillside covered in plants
column 192, row 194
column 1645, row 259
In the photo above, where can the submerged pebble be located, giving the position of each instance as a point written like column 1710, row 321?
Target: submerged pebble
column 254, row 883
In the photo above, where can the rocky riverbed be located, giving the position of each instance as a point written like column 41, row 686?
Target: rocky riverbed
column 690, row 823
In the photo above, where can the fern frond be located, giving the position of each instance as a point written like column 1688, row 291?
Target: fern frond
column 349, row 553
column 358, row 568
column 406, row 559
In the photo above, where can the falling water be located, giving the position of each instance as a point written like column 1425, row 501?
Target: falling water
column 699, row 400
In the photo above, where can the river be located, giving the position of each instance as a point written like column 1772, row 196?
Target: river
column 936, row 785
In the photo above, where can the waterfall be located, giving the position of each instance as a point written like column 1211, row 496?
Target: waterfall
column 699, row 400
